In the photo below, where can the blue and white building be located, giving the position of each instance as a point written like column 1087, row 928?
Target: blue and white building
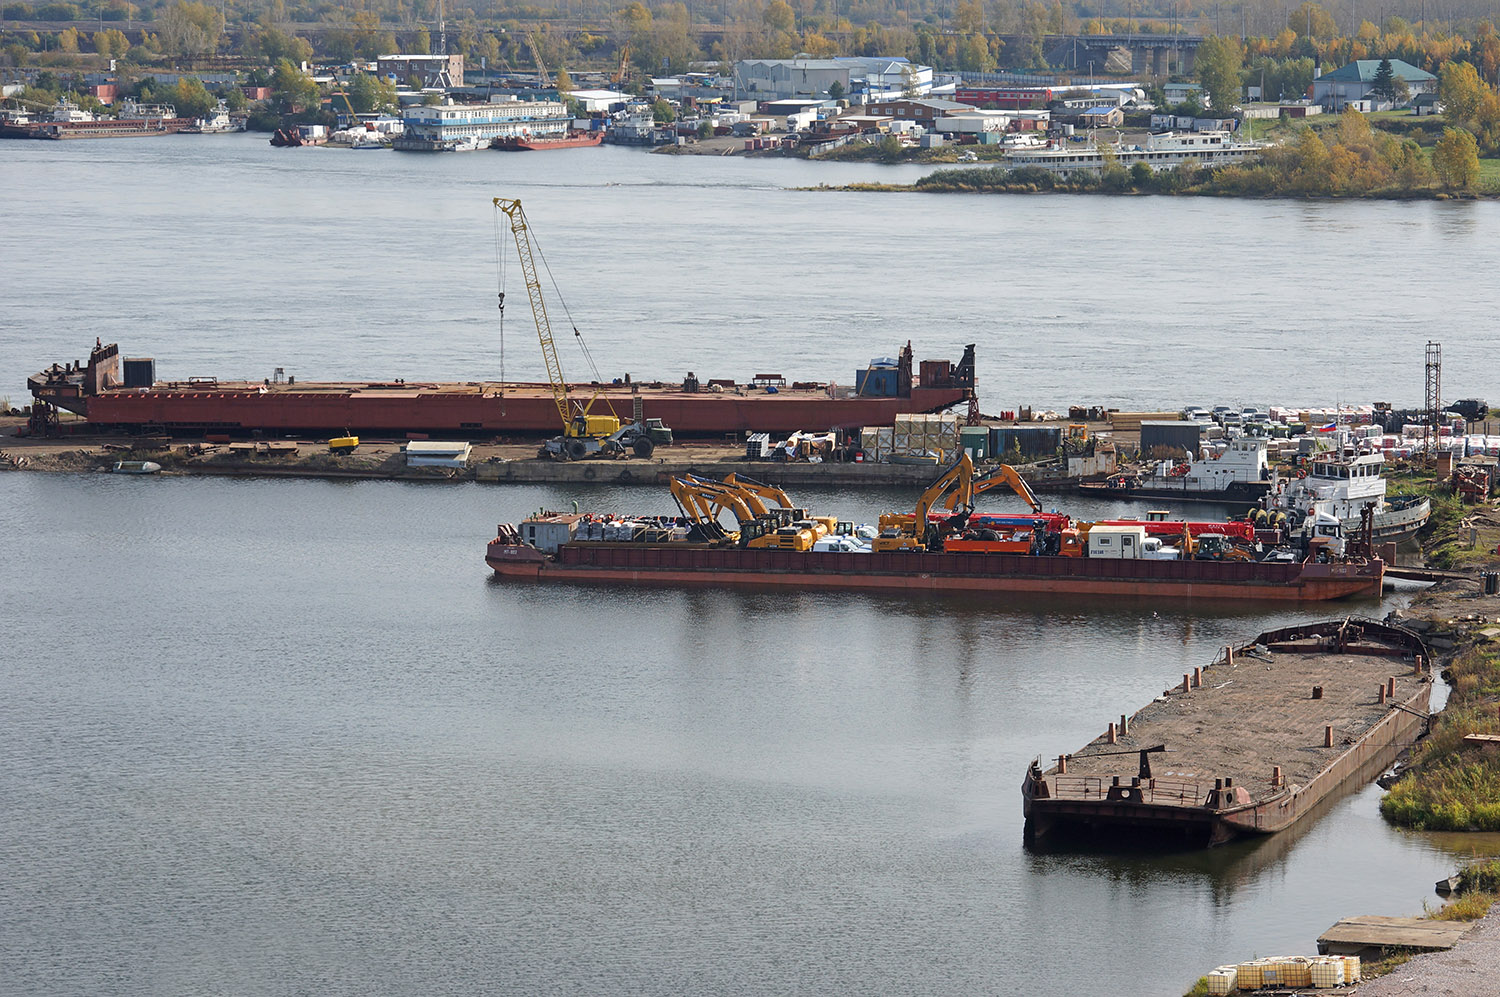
column 461, row 127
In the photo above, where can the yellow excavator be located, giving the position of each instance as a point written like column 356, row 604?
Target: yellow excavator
column 911, row 531
column 701, row 501
column 584, row 433
column 760, row 527
column 1002, row 475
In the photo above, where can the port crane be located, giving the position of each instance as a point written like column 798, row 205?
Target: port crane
column 584, row 433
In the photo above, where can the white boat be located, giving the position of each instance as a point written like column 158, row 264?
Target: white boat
column 1342, row 487
column 214, row 123
column 1239, row 474
column 1161, row 151
column 135, row 467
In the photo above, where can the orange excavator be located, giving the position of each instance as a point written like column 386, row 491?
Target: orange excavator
column 911, row 531
column 1002, row 475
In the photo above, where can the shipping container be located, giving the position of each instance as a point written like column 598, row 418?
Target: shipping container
column 976, row 440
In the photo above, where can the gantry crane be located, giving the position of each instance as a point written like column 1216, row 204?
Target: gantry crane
column 584, row 434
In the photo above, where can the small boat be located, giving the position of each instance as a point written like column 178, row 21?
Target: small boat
column 135, row 467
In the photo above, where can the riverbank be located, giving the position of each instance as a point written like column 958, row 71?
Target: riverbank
column 385, row 460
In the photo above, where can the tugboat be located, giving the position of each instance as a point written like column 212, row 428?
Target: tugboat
column 1342, row 487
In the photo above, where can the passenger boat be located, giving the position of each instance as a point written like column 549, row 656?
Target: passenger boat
column 1165, row 150
column 1246, row 746
column 763, row 403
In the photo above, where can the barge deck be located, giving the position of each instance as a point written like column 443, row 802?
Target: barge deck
column 1248, row 745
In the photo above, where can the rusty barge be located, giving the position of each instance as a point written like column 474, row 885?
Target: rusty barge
column 137, row 402
column 1247, row 746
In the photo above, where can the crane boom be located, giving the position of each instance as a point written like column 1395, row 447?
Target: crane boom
column 522, row 234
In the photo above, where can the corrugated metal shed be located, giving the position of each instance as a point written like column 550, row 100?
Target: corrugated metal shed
column 1176, row 435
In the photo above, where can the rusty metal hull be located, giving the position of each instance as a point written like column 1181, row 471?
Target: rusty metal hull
column 681, row 564
column 1191, row 811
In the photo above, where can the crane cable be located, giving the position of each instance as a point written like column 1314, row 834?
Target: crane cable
column 500, row 294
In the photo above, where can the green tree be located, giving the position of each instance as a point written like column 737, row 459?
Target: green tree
column 1384, row 84
column 191, row 98
column 662, row 112
column 836, row 90
column 1141, row 175
column 293, row 89
column 1220, row 61
column 911, row 87
column 564, row 82
column 191, row 29
column 274, row 45
column 1455, row 159
column 1460, row 89
column 371, row 93
column 422, row 43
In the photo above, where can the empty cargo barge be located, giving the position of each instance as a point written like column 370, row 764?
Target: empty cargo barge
column 137, row 401
column 1246, row 746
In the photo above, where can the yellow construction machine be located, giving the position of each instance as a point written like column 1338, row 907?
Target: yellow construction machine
column 911, row 531
column 585, row 433
column 1002, row 475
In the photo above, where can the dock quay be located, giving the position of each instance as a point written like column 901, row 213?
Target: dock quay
column 1372, row 937
column 1247, row 745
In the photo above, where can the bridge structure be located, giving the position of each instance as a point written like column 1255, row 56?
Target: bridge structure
column 1141, row 54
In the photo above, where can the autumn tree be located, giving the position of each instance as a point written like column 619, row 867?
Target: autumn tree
column 111, row 43
column 191, row 29
column 1455, row 159
column 1220, row 60
column 1460, row 90
column 1311, row 21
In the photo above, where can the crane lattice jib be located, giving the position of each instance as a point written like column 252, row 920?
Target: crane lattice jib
column 518, row 228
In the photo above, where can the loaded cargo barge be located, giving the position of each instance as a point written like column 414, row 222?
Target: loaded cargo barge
column 1248, row 745
column 138, row 402
column 921, row 551
column 675, row 563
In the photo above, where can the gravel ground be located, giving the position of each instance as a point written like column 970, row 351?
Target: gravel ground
column 1469, row 969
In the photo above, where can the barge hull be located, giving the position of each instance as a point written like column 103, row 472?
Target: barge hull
column 635, row 564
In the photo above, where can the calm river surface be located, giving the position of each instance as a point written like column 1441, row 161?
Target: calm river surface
column 282, row 737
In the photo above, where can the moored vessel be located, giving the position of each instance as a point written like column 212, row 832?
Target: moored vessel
column 1343, row 487
column 1246, row 746
column 572, row 140
column 763, row 403
column 1239, row 474
column 1046, row 553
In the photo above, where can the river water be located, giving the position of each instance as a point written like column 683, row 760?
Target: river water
column 290, row 736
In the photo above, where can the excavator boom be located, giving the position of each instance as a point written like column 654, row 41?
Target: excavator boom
column 1002, row 475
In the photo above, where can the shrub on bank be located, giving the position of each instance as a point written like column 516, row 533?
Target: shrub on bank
column 1452, row 785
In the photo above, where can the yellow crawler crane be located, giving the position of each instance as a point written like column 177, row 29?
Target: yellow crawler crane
column 584, row 433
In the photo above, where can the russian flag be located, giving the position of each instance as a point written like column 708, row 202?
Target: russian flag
column 1329, row 428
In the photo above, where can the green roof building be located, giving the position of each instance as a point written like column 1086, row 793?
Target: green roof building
column 1353, row 82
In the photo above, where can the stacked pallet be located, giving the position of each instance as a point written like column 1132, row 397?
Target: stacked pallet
column 1130, row 422
column 919, row 434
